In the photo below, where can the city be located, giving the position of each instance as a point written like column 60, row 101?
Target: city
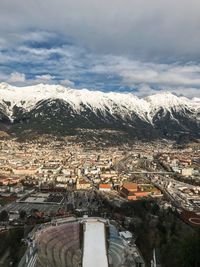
column 99, row 133
column 51, row 181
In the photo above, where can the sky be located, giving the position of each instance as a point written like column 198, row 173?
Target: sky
column 137, row 46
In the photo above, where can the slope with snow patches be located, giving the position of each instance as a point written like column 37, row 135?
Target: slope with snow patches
column 127, row 108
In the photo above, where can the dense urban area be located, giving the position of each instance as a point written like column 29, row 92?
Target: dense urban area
column 148, row 191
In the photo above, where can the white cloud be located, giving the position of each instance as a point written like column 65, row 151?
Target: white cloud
column 17, row 77
column 45, row 78
column 183, row 78
column 145, row 90
column 167, row 75
column 67, row 83
column 121, row 72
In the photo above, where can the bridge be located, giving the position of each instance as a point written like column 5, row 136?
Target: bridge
column 150, row 172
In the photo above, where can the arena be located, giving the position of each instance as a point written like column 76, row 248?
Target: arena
column 76, row 242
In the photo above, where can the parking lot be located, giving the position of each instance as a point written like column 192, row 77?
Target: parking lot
column 80, row 202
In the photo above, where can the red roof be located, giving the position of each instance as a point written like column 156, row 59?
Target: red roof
column 105, row 186
column 130, row 186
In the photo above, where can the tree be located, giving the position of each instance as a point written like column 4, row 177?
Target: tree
column 4, row 216
column 22, row 215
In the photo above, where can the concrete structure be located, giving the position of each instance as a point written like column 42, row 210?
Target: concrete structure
column 94, row 244
column 126, row 236
column 78, row 242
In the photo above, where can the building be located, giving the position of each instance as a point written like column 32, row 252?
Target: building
column 133, row 191
column 82, row 184
column 105, row 187
column 127, row 194
column 131, row 187
column 25, row 171
column 126, row 237
column 187, row 171
column 4, row 180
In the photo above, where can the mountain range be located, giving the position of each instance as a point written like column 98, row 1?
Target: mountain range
column 56, row 109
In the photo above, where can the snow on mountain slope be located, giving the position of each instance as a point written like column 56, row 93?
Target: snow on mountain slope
column 117, row 104
column 168, row 101
column 28, row 97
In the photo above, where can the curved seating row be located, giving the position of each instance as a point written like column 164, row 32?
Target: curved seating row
column 59, row 246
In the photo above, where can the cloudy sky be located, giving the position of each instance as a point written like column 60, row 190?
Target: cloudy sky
column 135, row 46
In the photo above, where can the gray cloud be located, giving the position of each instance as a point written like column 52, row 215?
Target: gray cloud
column 151, row 30
column 138, row 45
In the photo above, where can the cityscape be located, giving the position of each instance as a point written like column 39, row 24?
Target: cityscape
column 56, row 183
column 99, row 133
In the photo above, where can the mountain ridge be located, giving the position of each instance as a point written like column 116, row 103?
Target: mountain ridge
column 164, row 112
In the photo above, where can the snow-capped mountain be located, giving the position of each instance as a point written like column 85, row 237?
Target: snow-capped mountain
column 60, row 108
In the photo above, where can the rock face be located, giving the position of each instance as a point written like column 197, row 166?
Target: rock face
column 54, row 108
